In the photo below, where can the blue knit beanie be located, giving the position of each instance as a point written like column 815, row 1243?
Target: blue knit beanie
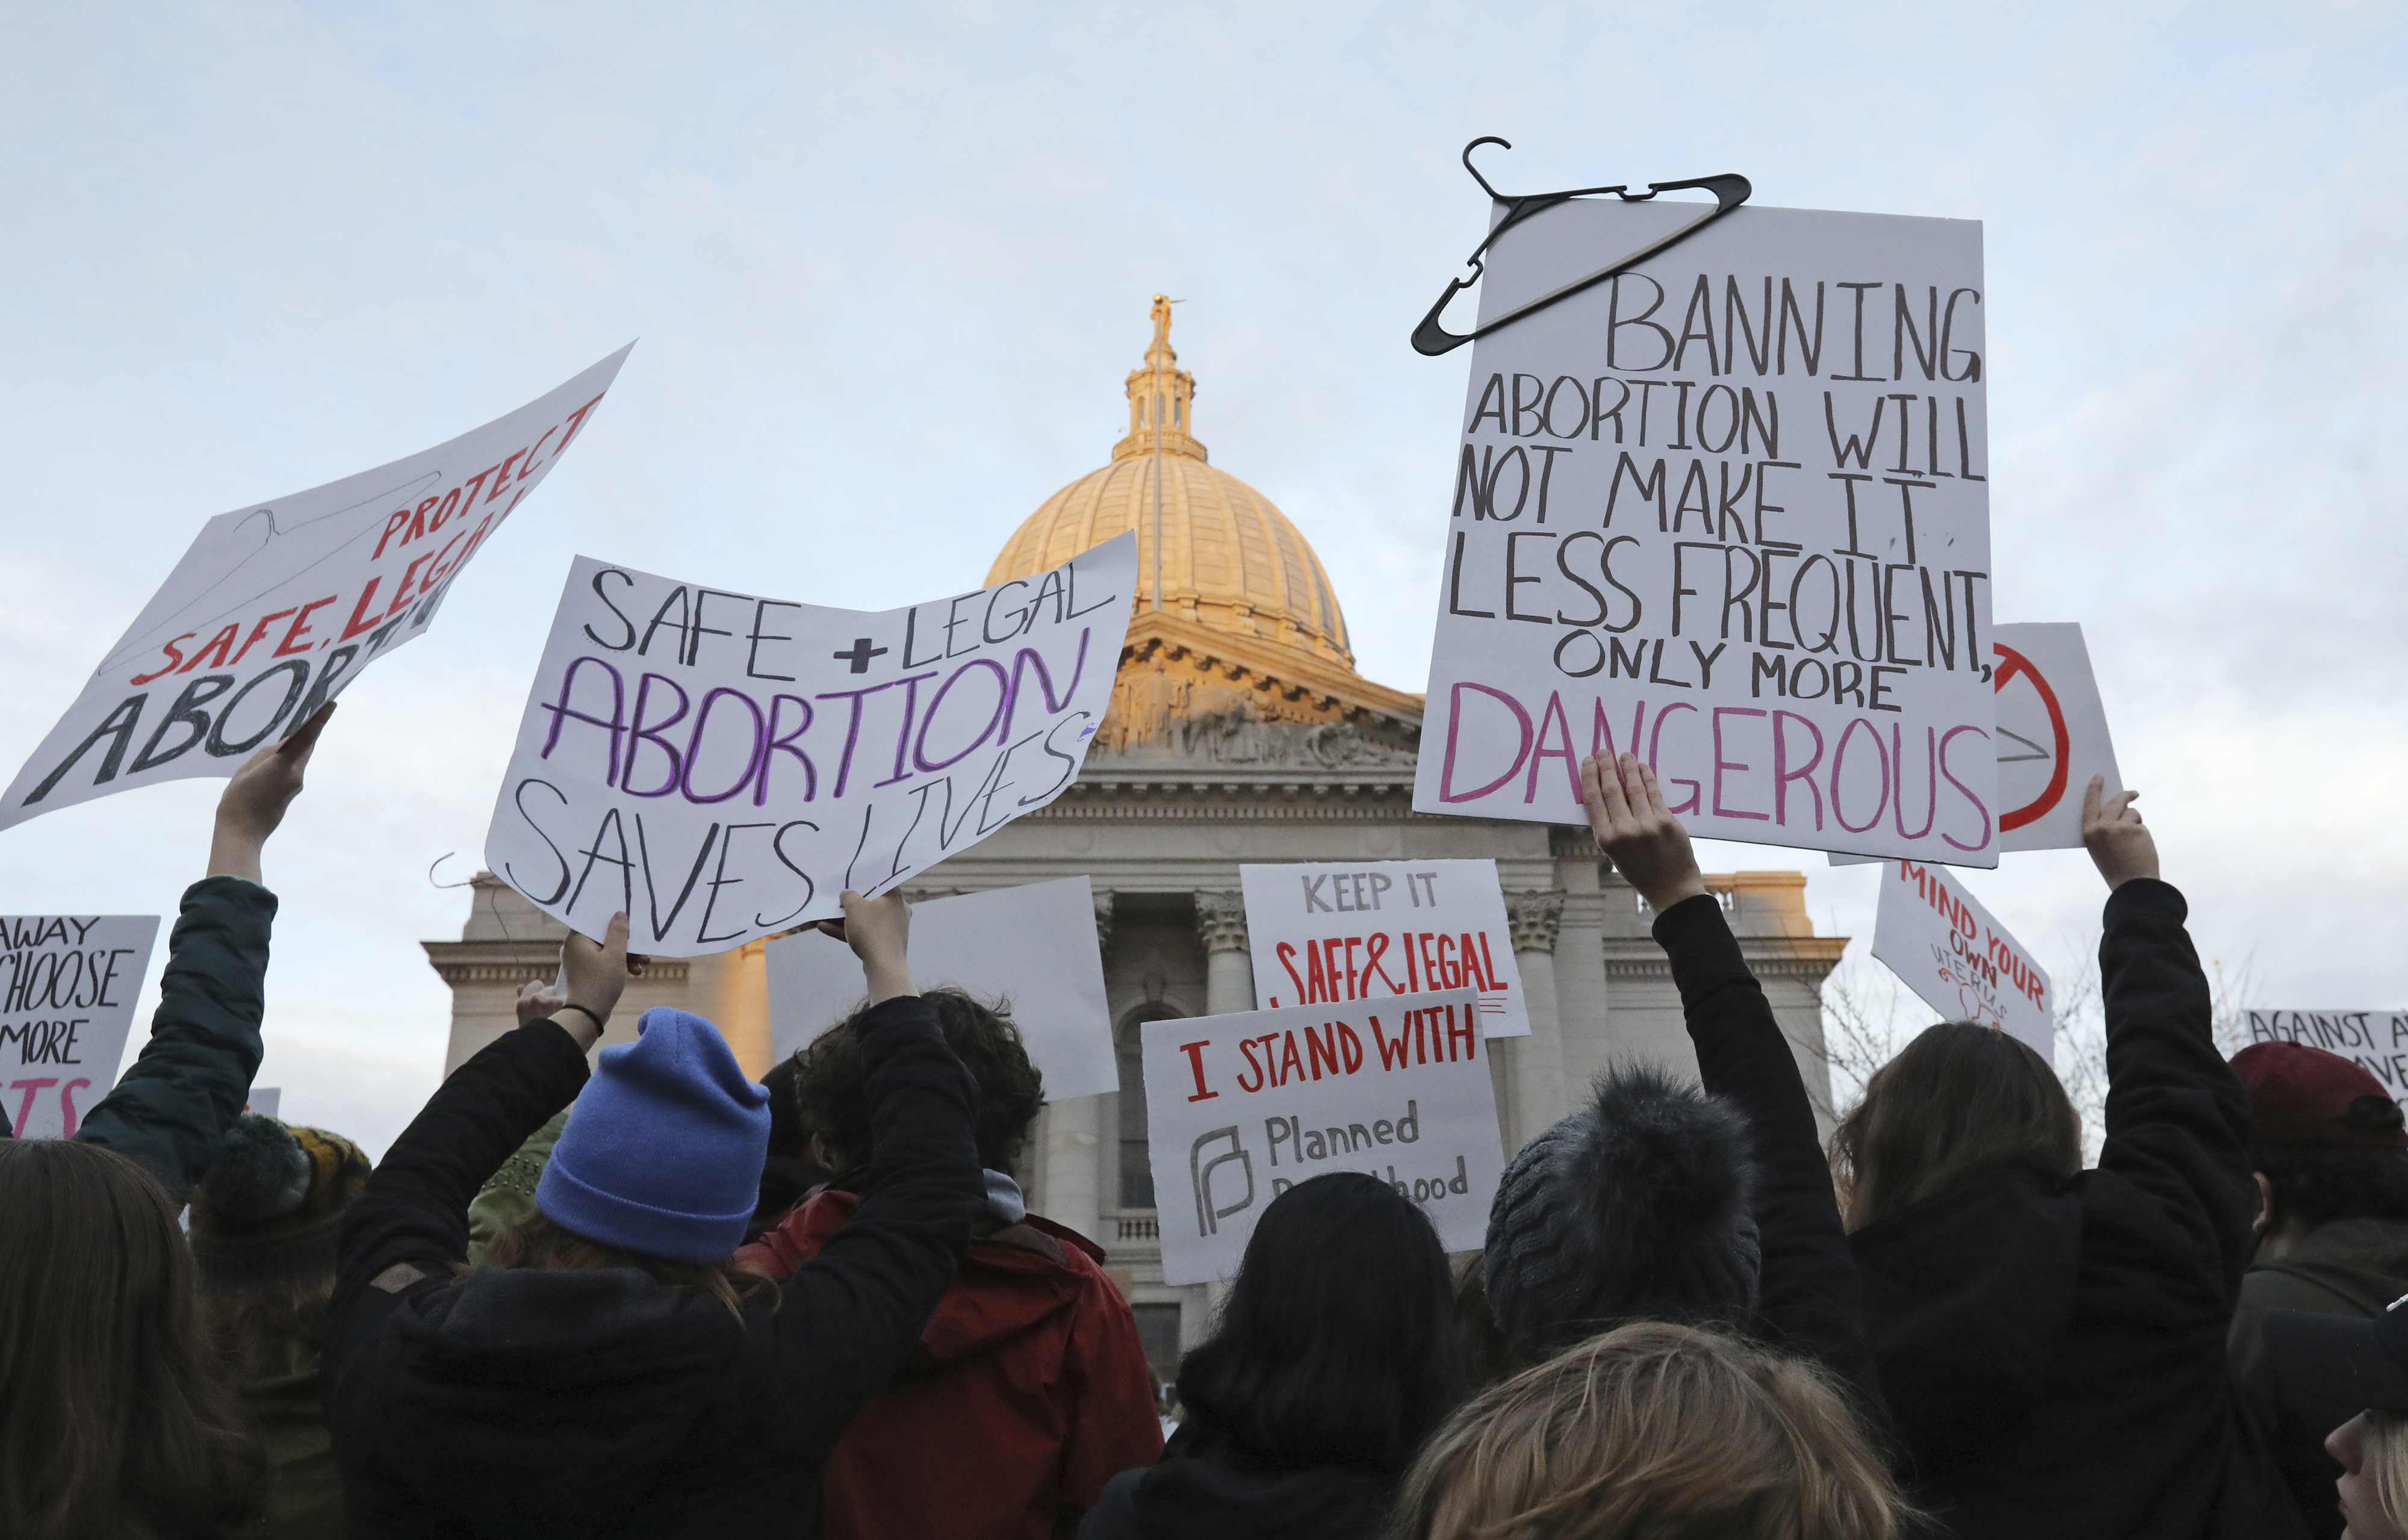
column 663, row 1153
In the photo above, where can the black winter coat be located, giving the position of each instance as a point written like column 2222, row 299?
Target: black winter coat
column 600, row 1403
column 1208, row 1489
column 1809, row 1300
column 2054, row 1352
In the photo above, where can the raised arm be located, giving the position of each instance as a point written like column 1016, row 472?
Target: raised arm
column 853, row 1311
column 1809, row 1299
column 2177, row 1118
column 412, row 1218
column 171, row 1110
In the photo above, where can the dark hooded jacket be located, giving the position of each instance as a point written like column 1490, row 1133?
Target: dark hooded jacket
column 1028, row 1390
column 1208, row 1487
column 2346, row 1267
column 2054, row 1352
column 589, row 1404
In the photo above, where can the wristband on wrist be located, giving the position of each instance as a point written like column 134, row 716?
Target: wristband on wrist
column 599, row 1025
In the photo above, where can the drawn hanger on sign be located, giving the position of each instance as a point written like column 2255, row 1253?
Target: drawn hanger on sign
column 1431, row 338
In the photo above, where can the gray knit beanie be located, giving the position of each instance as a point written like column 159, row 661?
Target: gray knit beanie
column 1634, row 1208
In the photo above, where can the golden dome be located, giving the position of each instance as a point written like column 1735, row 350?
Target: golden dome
column 1227, row 558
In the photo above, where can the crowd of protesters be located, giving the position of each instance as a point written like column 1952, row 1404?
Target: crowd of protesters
column 653, row 1298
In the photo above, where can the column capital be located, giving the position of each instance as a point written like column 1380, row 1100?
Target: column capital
column 1103, row 919
column 1534, row 918
column 1221, row 922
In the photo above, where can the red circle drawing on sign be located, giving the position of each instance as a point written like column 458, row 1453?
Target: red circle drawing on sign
column 2017, row 664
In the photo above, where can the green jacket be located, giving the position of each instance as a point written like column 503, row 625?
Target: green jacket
column 508, row 1195
column 171, row 1110
column 305, row 1495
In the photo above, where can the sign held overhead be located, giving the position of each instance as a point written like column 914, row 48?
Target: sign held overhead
column 1031, row 950
column 1944, row 945
column 68, row 987
column 276, row 608
column 1326, row 931
column 1240, row 1108
column 723, row 766
column 1727, row 511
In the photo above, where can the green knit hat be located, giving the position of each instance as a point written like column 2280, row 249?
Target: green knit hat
column 267, row 1212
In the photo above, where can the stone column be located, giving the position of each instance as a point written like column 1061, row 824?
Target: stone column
column 1228, row 964
column 1539, row 1096
column 1074, row 1148
column 1073, row 1189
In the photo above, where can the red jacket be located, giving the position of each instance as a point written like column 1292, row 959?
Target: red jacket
column 1028, row 1391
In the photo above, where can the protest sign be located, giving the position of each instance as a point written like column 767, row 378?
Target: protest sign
column 1727, row 511
column 2052, row 737
column 1948, row 950
column 2377, row 1041
column 1033, row 949
column 1240, row 1108
column 722, row 767
column 2051, row 734
column 68, row 986
column 277, row 607
column 1393, row 928
column 264, row 1100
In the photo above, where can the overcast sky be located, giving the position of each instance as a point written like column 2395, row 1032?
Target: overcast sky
column 889, row 266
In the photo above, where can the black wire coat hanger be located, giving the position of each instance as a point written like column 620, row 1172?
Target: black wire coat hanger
column 1430, row 338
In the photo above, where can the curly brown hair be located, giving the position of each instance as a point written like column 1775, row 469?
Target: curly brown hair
column 831, row 1083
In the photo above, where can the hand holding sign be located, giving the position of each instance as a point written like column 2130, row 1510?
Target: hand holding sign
column 594, row 974
column 2112, row 833
column 1646, row 841
column 879, row 930
column 252, row 805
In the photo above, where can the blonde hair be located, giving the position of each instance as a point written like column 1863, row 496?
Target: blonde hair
column 1655, row 1431
column 2386, row 1463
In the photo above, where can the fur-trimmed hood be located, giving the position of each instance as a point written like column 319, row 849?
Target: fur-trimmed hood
column 1637, row 1208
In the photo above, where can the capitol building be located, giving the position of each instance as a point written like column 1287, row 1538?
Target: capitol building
column 1240, row 731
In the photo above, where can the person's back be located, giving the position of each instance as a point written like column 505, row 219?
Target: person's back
column 2051, row 1341
column 1028, row 1388
column 2330, row 1157
column 1305, row 1406
column 262, row 1231
column 608, row 1372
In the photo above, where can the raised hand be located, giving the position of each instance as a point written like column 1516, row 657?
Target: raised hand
column 595, row 973
column 1646, row 841
column 253, row 802
column 2112, row 833
column 538, row 1000
column 879, row 930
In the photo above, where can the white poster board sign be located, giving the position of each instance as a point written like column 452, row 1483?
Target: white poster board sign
column 722, row 767
column 1240, row 1108
column 265, row 1100
column 277, row 607
column 1033, row 949
column 1326, row 931
column 1947, row 948
column 2051, row 736
column 68, row 987
column 1729, row 511
column 2376, row 1041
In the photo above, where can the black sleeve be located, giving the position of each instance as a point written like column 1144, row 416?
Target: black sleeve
column 852, row 1312
column 2177, row 1118
column 1810, row 1300
column 415, row 1209
column 172, row 1109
